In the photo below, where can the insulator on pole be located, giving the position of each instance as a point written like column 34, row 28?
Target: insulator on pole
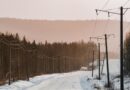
column 108, row 14
column 96, row 12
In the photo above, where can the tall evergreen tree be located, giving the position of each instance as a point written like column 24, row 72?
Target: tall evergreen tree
column 127, row 55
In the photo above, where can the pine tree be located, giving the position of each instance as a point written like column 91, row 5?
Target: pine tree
column 127, row 55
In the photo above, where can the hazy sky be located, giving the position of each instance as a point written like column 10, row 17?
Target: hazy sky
column 56, row 9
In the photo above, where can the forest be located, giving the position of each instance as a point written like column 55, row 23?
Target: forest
column 21, row 59
column 127, row 55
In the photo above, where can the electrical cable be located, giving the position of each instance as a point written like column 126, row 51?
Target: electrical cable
column 95, row 25
column 106, row 3
column 126, row 3
column 106, row 26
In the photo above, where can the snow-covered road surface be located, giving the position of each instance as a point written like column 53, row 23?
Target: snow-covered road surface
column 69, row 81
column 78, row 80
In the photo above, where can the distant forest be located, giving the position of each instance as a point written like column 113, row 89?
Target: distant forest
column 21, row 59
column 127, row 55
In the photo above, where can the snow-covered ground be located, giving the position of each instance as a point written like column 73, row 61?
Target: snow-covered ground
column 78, row 80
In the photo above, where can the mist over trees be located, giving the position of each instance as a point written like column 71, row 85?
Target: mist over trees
column 21, row 59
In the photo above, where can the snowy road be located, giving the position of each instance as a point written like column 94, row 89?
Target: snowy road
column 70, row 81
column 78, row 80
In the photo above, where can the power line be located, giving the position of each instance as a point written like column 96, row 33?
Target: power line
column 106, row 3
column 127, row 26
column 99, row 49
column 113, row 9
column 95, row 25
column 121, row 41
column 106, row 26
column 107, row 62
column 126, row 3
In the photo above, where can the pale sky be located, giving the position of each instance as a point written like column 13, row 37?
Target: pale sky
column 57, row 9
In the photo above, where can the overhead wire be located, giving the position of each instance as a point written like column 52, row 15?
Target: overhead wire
column 119, row 7
column 113, row 48
column 126, row 3
column 127, row 26
column 106, row 3
column 114, row 9
column 106, row 25
column 95, row 24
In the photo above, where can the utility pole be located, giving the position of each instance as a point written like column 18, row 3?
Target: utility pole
column 103, row 64
column 99, row 60
column 121, row 41
column 106, row 46
column 121, row 49
column 10, row 66
column 99, row 70
column 107, row 62
column 93, row 62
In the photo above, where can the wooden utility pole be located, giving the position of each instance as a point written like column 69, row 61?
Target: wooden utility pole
column 121, row 41
column 103, row 64
column 121, row 49
column 99, row 70
column 99, row 60
column 107, row 62
column 10, row 66
column 93, row 63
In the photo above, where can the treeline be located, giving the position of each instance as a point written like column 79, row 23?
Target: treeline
column 21, row 59
column 127, row 55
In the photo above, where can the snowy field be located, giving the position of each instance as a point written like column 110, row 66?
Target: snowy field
column 78, row 80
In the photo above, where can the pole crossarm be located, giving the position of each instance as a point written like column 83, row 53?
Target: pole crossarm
column 122, row 12
column 109, row 12
column 102, row 37
column 110, row 35
column 98, row 38
column 127, row 8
